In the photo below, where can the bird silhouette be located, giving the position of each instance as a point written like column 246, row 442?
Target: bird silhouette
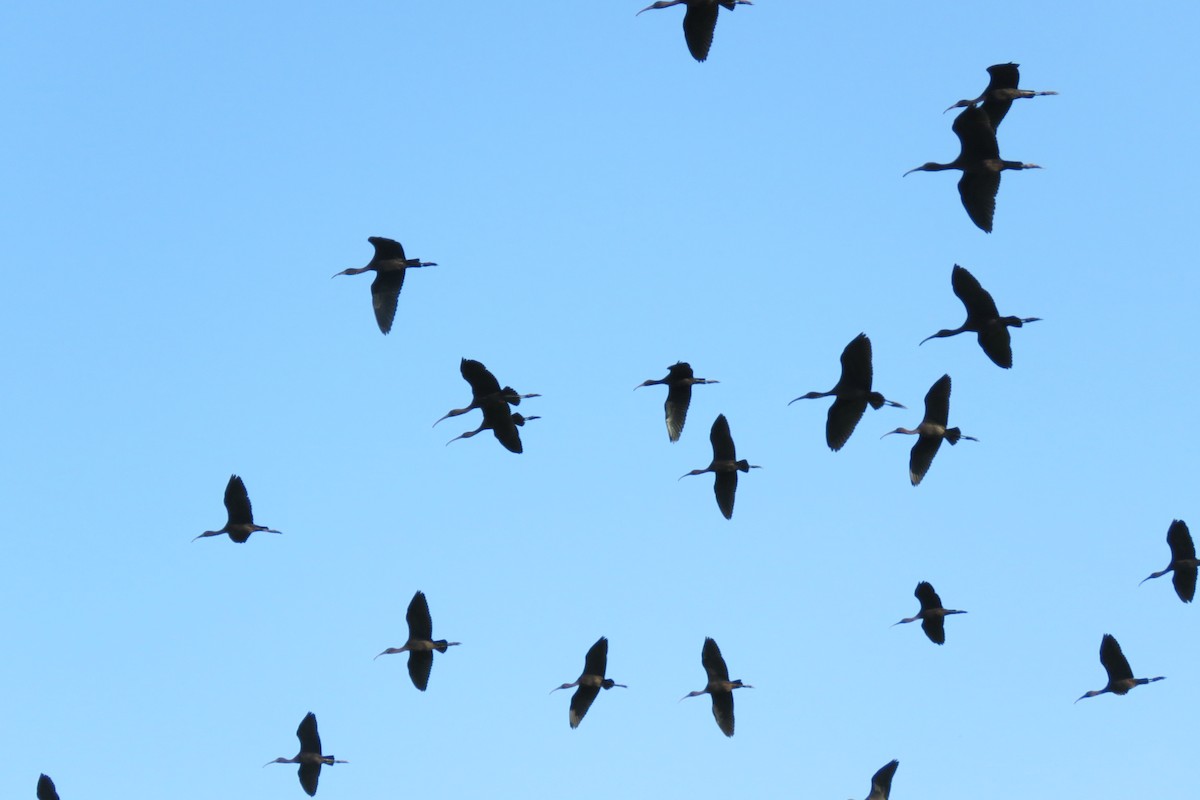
column 719, row 687
column 932, row 430
column 981, row 165
column 45, row 788
column 1183, row 561
column 932, row 615
column 881, row 781
column 590, row 682
column 725, row 466
column 853, row 393
column 240, row 523
column 982, row 319
column 699, row 21
column 388, row 264
column 1120, row 675
column 484, row 387
column 1001, row 90
column 309, row 758
column 420, row 644
column 501, row 422
column 679, row 383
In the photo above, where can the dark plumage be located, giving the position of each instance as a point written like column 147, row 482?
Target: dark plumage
column 932, row 615
column 679, row 382
column 932, row 430
column 725, row 466
column 389, row 265
column 420, row 644
column 981, row 165
column 699, row 21
column 1001, row 90
column 1120, row 675
column 309, row 758
column 45, row 788
column 719, row 687
column 881, row 781
column 853, row 393
column 1183, row 561
column 983, row 319
column 590, row 682
column 484, row 388
column 240, row 522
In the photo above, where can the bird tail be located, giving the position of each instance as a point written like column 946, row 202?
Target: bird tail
column 953, row 435
column 510, row 395
column 743, row 465
column 876, row 400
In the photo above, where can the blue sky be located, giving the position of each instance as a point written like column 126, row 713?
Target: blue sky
column 180, row 183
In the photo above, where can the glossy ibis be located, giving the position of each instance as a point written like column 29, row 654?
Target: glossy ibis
column 420, row 644
column 981, row 165
column 1001, row 90
column 853, row 393
column 725, row 466
column 1120, row 676
column 881, row 781
column 590, row 682
column 484, row 387
column 501, row 422
column 719, row 687
column 699, row 21
column 309, row 758
column 240, row 524
column 932, row 615
column 679, row 383
column 1183, row 561
column 389, row 264
column 932, row 430
column 982, row 319
column 46, row 790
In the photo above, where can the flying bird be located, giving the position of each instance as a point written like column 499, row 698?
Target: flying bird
column 932, row 616
column 389, row 264
column 725, row 466
column 981, row 165
column 881, row 781
column 420, row 644
column 240, row 523
column 45, row 789
column 853, row 393
column 699, row 21
column 719, row 687
column 1183, row 561
column 309, row 758
column 484, row 387
column 1120, row 676
column 501, row 422
column 932, row 430
column 679, row 383
column 1001, row 90
column 590, row 682
column 982, row 319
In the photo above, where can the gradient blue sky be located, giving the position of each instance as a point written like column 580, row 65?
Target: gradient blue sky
column 180, row 182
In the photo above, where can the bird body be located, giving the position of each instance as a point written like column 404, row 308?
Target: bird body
column 502, row 423
column 932, row 614
column 309, row 758
column 981, row 165
column 983, row 319
column 1120, row 674
column 853, row 393
column 679, row 382
column 719, row 687
column 389, row 264
column 699, row 21
column 421, row 644
column 881, row 781
column 1183, row 561
column 590, row 682
column 484, row 388
column 932, row 430
column 725, row 466
column 1001, row 90
column 240, row 523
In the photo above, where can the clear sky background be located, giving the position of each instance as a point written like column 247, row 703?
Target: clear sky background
column 179, row 184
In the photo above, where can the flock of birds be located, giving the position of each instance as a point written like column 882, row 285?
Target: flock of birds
column 981, row 166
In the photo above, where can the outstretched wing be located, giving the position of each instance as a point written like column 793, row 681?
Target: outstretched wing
column 698, row 25
column 385, row 293
column 420, row 624
column 237, row 502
